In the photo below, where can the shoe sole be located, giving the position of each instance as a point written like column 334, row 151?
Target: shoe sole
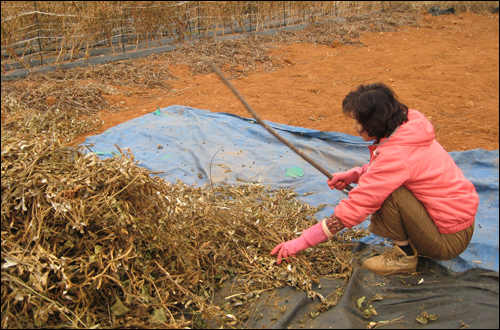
column 392, row 273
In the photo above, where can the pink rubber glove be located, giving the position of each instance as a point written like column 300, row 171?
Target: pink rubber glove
column 310, row 237
column 341, row 179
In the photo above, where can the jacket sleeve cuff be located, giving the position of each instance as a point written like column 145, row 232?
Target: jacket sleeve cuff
column 332, row 225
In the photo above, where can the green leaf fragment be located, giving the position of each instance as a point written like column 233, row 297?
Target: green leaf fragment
column 360, row 302
column 145, row 293
column 201, row 323
column 369, row 312
column 425, row 317
column 422, row 319
column 118, row 308
column 158, row 316
column 69, row 244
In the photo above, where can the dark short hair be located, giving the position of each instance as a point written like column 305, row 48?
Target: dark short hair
column 376, row 108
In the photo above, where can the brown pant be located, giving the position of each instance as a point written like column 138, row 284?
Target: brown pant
column 402, row 216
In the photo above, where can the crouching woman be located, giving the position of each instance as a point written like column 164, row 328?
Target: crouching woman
column 416, row 194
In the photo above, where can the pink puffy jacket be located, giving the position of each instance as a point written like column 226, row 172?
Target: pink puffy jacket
column 411, row 157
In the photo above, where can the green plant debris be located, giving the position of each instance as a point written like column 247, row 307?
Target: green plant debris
column 360, row 302
column 118, row 308
column 367, row 313
column 425, row 317
column 158, row 316
column 368, row 310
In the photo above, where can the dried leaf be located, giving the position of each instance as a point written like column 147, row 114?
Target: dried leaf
column 425, row 317
column 158, row 316
column 422, row 319
column 360, row 302
column 367, row 313
column 118, row 308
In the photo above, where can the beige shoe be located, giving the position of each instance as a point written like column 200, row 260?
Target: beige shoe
column 392, row 262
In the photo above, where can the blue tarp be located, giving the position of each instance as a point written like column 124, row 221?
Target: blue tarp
column 195, row 145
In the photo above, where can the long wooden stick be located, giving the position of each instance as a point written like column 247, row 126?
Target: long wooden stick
column 269, row 129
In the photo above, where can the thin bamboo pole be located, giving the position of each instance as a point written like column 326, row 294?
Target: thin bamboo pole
column 269, row 129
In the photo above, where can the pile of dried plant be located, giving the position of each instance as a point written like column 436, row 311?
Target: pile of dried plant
column 132, row 73
column 88, row 242
column 235, row 56
column 347, row 31
column 66, row 102
column 74, row 110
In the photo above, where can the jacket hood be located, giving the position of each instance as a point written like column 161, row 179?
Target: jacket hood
column 417, row 131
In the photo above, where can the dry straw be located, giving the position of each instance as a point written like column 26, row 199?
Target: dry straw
column 86, row 241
